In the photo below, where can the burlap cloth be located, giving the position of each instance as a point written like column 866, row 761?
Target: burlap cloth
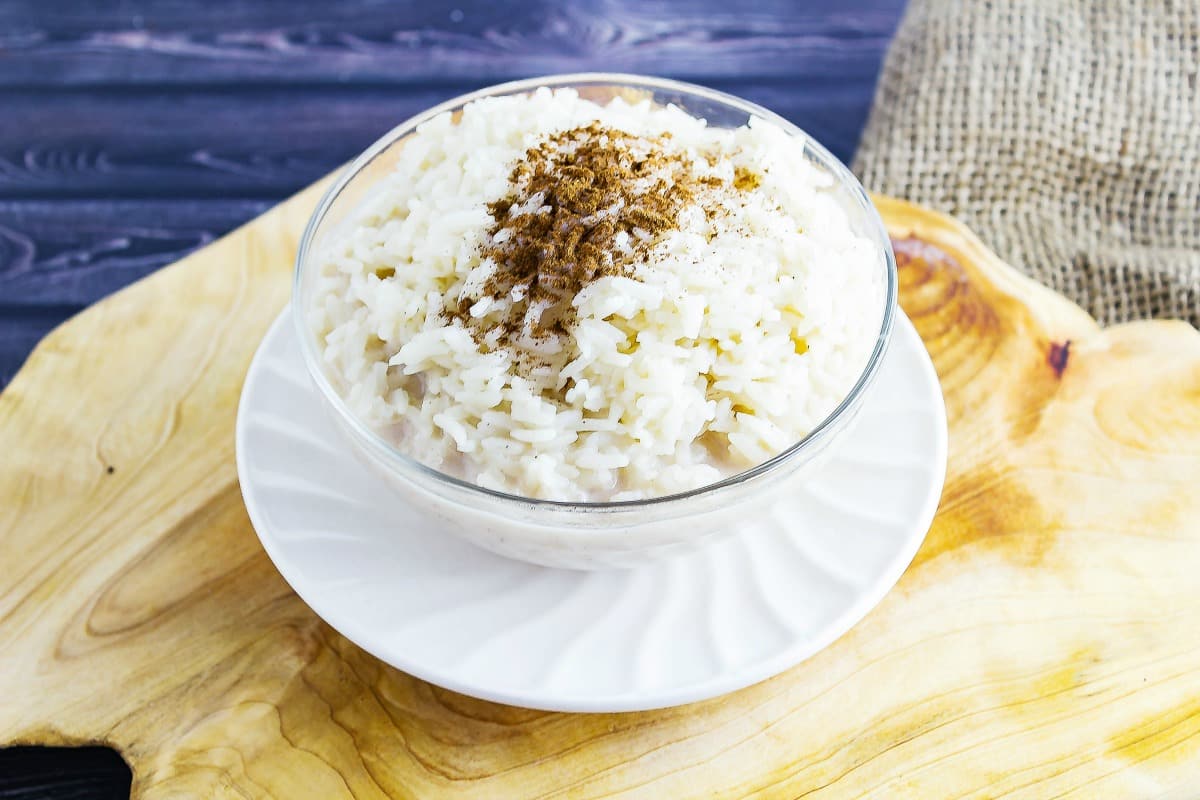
column 1066, row 134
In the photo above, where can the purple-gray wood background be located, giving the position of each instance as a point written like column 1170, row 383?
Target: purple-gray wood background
column 133, row 132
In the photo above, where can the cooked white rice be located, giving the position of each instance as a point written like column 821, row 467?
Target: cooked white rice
column 715, row 356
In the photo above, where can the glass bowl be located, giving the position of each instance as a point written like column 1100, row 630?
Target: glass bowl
column 589, row 535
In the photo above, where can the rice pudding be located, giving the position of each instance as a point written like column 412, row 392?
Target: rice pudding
column 565, row 300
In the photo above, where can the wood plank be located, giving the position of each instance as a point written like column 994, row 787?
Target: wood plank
column 1043, row 642
column 56, row 257
column 140, row 43
column 191, row 143
column 76, row 251
column 271, row 142
column 21, row 328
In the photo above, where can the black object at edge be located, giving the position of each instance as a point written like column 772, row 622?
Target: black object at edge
column 63, row 773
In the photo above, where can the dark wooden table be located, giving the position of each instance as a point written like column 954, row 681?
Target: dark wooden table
column 134, row 132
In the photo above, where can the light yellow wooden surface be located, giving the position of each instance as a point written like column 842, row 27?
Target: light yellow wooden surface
column 1045, row 642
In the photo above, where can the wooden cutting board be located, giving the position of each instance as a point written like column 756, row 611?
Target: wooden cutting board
column 1045, row 642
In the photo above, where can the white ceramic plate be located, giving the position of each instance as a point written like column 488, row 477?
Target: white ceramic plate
column 731, row 614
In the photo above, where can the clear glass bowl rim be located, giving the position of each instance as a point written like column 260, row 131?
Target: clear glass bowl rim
column 392, row 456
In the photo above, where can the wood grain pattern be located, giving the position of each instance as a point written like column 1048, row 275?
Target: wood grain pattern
column 261, row 142
column 1046, row 641
column 57, row 257
column 280, row 42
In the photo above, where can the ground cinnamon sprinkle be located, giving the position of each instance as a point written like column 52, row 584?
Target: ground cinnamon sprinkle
column 745, row 180
column 585, row 203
